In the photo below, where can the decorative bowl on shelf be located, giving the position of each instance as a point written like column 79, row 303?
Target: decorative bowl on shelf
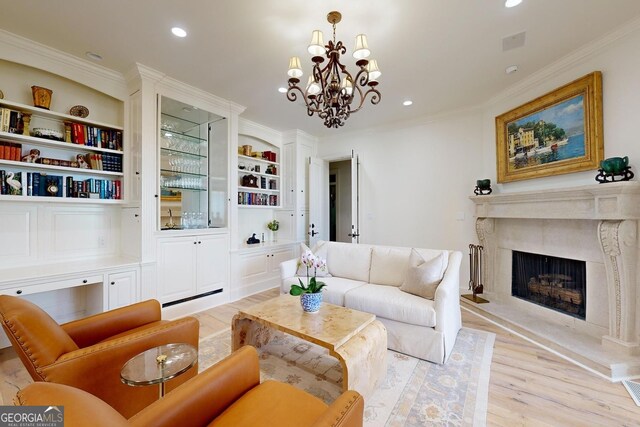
column 79, row 111
column 48, row 134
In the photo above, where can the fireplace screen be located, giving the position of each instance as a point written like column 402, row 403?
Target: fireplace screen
column 555, row 283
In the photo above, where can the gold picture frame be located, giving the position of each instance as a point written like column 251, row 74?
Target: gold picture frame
column 559, row 132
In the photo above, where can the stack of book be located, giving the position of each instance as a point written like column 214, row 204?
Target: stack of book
column 257, row 199
column 10, row 151
column 11, row 121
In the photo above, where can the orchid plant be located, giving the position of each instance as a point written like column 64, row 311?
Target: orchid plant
column 313, row 286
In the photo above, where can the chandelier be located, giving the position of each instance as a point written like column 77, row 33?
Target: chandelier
column 332, row 92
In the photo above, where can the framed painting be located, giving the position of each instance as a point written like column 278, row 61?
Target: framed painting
column 557, row 133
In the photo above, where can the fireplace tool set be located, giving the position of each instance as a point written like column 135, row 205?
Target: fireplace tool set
column 475, row 274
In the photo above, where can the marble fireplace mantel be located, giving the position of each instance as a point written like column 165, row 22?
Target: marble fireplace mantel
column 607, row 213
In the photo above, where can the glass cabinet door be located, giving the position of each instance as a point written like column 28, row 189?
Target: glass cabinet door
column 193, row 157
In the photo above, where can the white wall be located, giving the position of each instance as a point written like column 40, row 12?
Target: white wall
column 618, row 57
column 415, row 181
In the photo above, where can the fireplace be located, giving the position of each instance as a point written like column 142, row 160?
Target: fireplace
column 552, row 282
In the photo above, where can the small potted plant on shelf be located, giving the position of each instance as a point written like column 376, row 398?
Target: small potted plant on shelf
column 273, row 226
column 311, row 294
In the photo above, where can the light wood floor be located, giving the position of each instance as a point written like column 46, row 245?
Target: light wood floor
column 529, row 386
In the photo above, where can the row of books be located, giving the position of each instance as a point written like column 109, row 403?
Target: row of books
column 263, row 183
column 96, row 137
column 44, row 185
column 11, row 121
column 258, row 199
column 10, row 151
column 105, row 162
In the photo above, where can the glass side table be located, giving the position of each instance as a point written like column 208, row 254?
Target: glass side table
column 158, row 365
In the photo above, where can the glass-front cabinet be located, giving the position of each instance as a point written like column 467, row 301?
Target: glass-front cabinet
column 193, row 167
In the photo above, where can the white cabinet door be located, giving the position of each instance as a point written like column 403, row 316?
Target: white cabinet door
column 288, row 176
column 176, row 268
column 123, row 289
column 253, row 267
column 302, row 225
column 212, row 263
column 287, row 222
column 278, row 256
column 304, row 152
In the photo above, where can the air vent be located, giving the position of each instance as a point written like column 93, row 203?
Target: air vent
column 513, row 42
column 634, row 390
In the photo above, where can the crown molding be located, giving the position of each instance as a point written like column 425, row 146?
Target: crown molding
column 21, row 50
column 256, row 130
column 569, row 61
column 295, row 135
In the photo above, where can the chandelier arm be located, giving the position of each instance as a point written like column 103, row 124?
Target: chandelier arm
column 375, row 98
column 362, row 77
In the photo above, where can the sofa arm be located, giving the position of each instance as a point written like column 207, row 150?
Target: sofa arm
column 207, row 395
column 288, row 268
column 96, row 369
column 447, row 302
column 93, row 329
column 346, row 411
column 80, row 408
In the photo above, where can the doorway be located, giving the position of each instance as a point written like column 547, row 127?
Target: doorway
column 340, row 202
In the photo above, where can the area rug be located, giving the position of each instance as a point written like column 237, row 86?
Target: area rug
column 414, row 393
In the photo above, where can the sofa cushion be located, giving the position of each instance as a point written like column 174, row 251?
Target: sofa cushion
column 390, row 302
column 319, row 251
column 423, row 277
column 349, row 260
column 333, row 293
column 388, row 265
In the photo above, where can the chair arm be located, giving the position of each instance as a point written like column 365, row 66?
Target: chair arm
column 201, row 399
column 447, row 303
column 96, row 369
column 93, row 329
column 288, row 268
column 80, row 408
column 345, row 411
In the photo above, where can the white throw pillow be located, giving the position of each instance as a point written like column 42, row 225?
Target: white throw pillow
column 319, row 251
column 423, row 277
column 389, row 265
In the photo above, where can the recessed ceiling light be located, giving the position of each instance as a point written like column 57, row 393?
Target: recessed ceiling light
column 512, row 3
column 94, row 56
column 407, row 103
column 178, row 32
column 282, row 89
column 511, row 69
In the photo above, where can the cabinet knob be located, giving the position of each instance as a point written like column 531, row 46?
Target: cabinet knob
column 113, row 283
column 137, row 173
column 19, row 291
column 195, row 243
column 85, row 281
column 136, row 215
column 199, row 242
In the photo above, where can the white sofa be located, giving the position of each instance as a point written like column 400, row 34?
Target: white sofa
column 368, row 278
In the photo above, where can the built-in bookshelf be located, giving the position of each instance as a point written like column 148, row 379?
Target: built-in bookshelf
column 259, row 180
column 46, row 155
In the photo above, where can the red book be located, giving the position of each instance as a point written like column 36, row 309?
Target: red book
column 74, row 133
column 2, row 144
column 118, row 190
column 16, row 151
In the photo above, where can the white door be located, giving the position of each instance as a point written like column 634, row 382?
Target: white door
column 176, row 268
column 318, row 200
column 212, row 263
column 355, row 198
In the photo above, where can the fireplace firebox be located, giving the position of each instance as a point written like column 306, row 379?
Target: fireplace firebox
column 555, row 283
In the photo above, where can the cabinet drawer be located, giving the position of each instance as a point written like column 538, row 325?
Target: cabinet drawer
column 51, row 286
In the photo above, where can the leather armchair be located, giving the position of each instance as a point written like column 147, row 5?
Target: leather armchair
column 227, row 394
column 89, row 353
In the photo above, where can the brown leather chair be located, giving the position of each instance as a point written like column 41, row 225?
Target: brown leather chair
column 228, row 394
column 89, row 353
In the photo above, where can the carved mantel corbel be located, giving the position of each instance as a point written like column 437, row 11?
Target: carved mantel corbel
column 618, row 241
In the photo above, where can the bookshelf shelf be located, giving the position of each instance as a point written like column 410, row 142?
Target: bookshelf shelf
column 242, row 158
column 73, row 171
column 258, row 190
column 41, row 142
column 40, row 199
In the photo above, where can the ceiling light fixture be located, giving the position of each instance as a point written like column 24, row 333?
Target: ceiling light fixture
column 282, row 89
column 407, row 103
column 511, row 69
column 94, row 56
column 331, row 90
column 512, row 3
column 178, row 32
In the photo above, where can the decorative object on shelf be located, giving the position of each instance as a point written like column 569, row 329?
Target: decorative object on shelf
column 274, row 226
column 331, row 91
column 559, row 132
column 26, row 123
column 253, row 240
column 13, row 181
column 241, row 166
column 79, row 111
column 250, row 181
column 41, row 97
column 32, row 157
column 483, row 187
column 256, row 168
column 614, row 167
column 311, row 294
column 246, row 150
column 82, row 162
column 52, row 187
column 48, row 134
column 171, row 224
column 475, row 274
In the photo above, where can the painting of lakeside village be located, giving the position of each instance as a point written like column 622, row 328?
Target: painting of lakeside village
column 546, row 136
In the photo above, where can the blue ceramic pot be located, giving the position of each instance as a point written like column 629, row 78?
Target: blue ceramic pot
column 311, row 302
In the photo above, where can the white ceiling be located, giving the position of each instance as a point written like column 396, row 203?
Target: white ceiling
column 442, row 54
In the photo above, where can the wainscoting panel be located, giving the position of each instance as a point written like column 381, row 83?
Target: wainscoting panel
column 18, row 228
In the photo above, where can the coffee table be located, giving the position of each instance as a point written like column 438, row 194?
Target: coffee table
column 355, row 338
column 158, row 365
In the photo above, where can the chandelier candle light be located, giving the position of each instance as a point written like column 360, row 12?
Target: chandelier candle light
column 331, row 90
